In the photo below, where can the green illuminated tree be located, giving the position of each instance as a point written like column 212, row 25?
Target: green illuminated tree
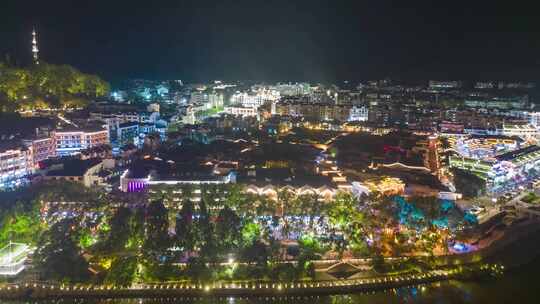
column 47, row 85
column 122, row 272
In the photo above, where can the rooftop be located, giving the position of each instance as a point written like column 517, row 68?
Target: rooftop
column 128, row 124
column 88, row 128
column 12, row 144
column 283, row 177
column 75, row 167
column 518, row 154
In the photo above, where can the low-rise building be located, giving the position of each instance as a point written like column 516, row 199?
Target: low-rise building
column 85, row 172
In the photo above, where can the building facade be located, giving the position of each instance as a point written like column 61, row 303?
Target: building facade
column 16, row 164
column 72, row 142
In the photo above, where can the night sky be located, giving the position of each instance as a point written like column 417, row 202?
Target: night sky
column 280, row 40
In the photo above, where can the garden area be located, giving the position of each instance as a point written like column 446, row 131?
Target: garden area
column 531, row 198
column 221, row 234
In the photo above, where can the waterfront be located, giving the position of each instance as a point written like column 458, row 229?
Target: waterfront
column 518, row 285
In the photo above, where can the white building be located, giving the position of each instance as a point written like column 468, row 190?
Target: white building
column 534, row 119
column 241, row 111
column 215, row 100
column 153, row 107
column 292, row 89
column 16, row 163
column 73, row 141
column 435, row 84
column 522, row 131
column 359, row 113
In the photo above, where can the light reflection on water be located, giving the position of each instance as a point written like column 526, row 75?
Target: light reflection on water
column 440, row 293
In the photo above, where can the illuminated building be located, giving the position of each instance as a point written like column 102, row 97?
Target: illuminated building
column 119, row 96
column 241, row 111
column 116, row 118
column 485, row 85
column 153, row 107
column 451, row 127
column 42, row 148
column 359, row 114
column 292, row 89
column 384, row 185
column 13, row 258
column 215, row 100
column 74, row 140
column 208, row 100
column 504, row 169
column 254, row 99
column 484, row 147
column 313, row 111
column 503, row 103
column 271, row 191
column 133, row 181
column 127, row 133
column 435, row 84
column 523, row 131
column 16, row 164
column 534, row 119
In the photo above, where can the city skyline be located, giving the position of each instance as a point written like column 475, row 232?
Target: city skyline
column 265, row 152
column 304, row 41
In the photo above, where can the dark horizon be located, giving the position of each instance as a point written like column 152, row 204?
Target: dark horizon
column 315, row 41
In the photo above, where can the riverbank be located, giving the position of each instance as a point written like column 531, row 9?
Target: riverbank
column 43, row 290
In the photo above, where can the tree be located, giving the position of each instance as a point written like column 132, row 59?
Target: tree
column 122, row 271
column 350, row 224
column 120, row 231
column 468, row 184
column 251, row 231
column 185, row 229
column 58, row 257
column 341, row 209
column 157, row 240
column 205, row 228
column 20, row 225
column 47, row 85
column 256, row 252
column 197, row 269
column 285, row 205
column 228, row 230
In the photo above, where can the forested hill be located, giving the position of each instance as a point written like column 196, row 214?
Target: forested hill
column 47, row 86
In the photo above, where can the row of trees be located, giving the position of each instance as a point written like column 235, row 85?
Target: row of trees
column 47, row 86
column 227, row 234
column 21, row 210
column 146, row 242
column 154, row 238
